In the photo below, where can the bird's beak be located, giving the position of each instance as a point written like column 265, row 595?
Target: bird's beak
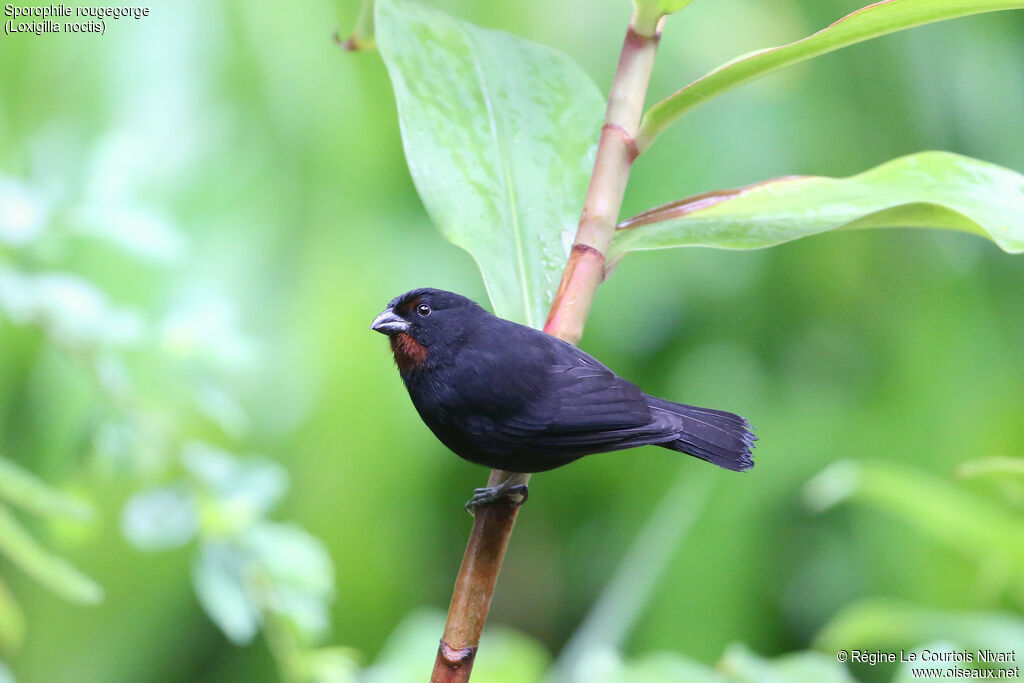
column 388, row 323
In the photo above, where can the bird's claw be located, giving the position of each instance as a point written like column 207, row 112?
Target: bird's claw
column 514, row 496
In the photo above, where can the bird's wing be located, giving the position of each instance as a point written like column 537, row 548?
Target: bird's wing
column 549, row 395
column 586, row 397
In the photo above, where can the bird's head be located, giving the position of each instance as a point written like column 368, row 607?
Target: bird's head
column 422, row 319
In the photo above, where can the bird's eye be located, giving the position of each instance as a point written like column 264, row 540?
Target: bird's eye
column 423, row 310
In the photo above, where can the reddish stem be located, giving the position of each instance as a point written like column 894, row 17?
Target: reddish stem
column 583, row 273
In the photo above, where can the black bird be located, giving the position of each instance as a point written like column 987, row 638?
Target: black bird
column 511, row 397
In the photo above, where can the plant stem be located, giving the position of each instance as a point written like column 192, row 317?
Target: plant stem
column 584, row 271
column 615, row 154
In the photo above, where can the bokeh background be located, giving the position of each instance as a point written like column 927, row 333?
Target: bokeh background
column 218, row 200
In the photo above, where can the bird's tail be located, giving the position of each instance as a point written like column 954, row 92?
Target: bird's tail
column 719, row 437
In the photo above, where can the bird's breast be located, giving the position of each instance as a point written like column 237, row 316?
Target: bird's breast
column 409, row 353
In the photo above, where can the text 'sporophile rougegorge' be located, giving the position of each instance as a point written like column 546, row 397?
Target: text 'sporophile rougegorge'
column 61, row 18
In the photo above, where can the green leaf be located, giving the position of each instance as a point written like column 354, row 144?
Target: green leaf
column 499, row 134
column 663, row 667
column 240, row 490
column 23, row 213
column 70, row 309
column 959, row 519
column 869, row 22
column 21, row 488
column 888, row 624
column 220, row 578
column 298, row 573
column 160, row 519
column 929, row 189
column 330, row 665
column 52, row 571
column 216, row 403
column 292, row 556
column 275, row 567
column 1004, row 473
column 740, row 664
column 140, row 232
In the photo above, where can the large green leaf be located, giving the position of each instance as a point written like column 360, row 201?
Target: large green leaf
column 499, row 134
column 868, row 22
column 930, row 189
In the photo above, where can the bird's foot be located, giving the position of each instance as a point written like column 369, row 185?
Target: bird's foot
column 507, row 492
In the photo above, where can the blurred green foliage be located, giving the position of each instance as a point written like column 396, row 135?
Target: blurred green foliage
column 21, row 489
column 203, row 210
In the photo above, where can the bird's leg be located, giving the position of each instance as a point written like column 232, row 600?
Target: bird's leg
column 507, row 491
